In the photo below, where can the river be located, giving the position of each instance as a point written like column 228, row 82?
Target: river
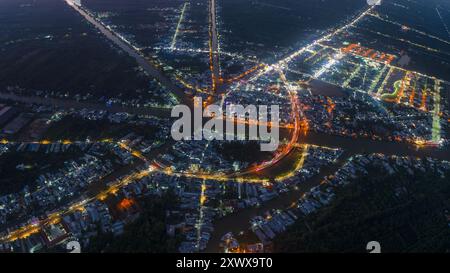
column 240, row 221
column 74, row 104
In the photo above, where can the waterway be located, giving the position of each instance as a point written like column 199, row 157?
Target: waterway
column 132, row 51
column 240, row 221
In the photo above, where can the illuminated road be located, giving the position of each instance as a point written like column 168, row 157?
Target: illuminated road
column 237, row 222
column 240, row 176
column 295, row 112
column 351, row 146
column 436, row 123
column 283, row 64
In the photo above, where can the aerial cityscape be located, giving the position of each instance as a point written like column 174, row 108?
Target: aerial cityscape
column 88, row 91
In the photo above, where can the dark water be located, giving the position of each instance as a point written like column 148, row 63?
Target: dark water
column 239, row 221
column 368, row 146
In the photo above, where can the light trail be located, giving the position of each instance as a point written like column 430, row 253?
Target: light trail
column 206, row 51
column 201, row 212
column 174, row 39
column 191, row 87
column 214, row 54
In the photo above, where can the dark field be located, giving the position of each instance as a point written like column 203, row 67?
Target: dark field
column 13, row 180
column 45, row 45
